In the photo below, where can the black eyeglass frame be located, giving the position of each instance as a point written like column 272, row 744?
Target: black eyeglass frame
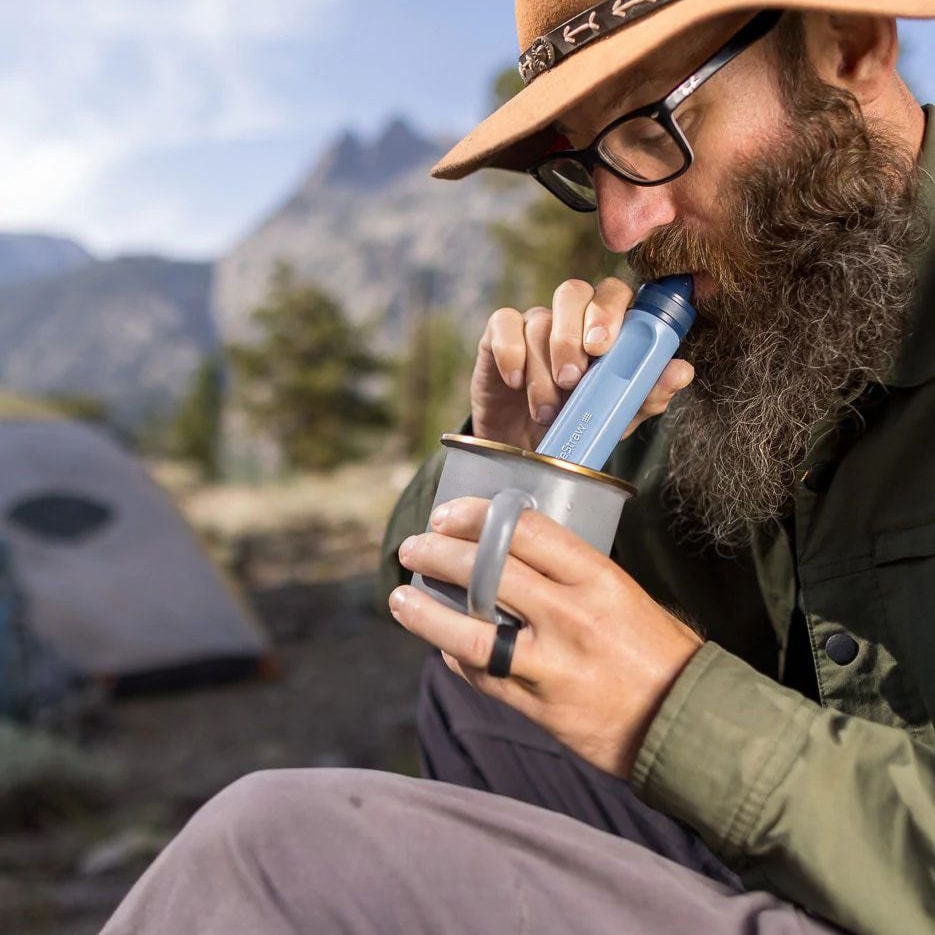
column 661, row 112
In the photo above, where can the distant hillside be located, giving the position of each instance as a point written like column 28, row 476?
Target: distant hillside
column 367, row 223
column 128, row 331
column 371, row 226
column 26, row 257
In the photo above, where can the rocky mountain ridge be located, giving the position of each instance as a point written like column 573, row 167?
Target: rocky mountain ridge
column 368, row 224
column 24, row 257
column 353, row 163
column 128, row 332
column 371, row 226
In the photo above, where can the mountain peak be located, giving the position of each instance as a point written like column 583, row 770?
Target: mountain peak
column 351, row 163
column 399, row 132
column 25, row 257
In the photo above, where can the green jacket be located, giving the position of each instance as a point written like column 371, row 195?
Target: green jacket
column 829, row 803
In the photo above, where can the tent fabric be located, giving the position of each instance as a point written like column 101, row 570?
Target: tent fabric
column 133, row 593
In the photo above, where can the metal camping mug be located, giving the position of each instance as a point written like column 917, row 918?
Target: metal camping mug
column 584, row 501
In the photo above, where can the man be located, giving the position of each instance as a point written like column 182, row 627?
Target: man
column 786, row 511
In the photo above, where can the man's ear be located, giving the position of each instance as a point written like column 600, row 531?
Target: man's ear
column 855, row 53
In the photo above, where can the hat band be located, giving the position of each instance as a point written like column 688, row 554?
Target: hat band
column 594, row 23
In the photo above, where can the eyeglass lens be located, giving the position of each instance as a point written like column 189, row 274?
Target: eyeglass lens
column 571, row 181
column 642, row 149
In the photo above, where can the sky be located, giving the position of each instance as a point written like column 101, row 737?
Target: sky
column 174, row 126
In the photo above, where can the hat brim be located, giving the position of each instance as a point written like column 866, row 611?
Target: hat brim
column 518, row 133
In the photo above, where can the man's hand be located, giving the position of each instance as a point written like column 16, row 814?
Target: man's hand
column 597, row 655
column 527, row 364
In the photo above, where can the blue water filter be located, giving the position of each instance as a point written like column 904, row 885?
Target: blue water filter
column 610, row 394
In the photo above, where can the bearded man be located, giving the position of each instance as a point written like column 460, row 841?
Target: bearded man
column 783, row 761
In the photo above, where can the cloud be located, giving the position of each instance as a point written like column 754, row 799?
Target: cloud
column 200, row 19
column 87, row 83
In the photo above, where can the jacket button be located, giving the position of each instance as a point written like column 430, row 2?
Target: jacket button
column 842, row 648
column 818, row 477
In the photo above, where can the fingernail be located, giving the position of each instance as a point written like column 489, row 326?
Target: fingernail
column 545, row 415
column 687, row 375
column 397, row 601
column 569, row 375
column 406, row 547
column 516, row 379
column 440, row 514
column 597, row 335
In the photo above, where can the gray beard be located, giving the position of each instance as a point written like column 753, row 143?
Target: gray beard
column 816, row 285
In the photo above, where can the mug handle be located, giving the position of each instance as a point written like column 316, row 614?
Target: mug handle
column 492, row 550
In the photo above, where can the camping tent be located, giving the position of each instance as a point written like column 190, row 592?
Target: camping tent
column 113, row 578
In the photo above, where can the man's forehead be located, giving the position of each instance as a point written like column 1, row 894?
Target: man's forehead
column 619, row 92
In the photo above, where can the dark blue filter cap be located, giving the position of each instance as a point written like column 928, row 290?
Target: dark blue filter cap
column 670, row 299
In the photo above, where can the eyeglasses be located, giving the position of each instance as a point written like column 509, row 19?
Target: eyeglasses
column 646, row 146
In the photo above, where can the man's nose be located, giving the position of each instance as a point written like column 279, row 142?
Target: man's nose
column 628, row 213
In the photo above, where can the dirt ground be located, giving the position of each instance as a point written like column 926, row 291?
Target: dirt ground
column 344, row 695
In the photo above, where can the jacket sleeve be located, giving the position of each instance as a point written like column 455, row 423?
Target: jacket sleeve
column 409, row 516
column 830, row 811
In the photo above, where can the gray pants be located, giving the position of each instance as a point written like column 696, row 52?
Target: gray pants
column 349, row 851
column 471, row 740
column 357, row 852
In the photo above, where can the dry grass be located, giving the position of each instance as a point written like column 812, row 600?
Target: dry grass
column 360, row 494
column 308, row 528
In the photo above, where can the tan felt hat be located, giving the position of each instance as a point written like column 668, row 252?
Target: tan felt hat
column 571, row 47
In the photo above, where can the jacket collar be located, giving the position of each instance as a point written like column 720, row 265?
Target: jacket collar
column 916, row 361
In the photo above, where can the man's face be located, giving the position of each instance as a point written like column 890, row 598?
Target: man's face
column 731, row 118
column 799, row 223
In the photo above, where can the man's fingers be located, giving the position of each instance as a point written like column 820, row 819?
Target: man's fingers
column 545, row 398
column 467, row 640
column 505, row 341
column 676, row 376
column 451, row 558
column 604, row 315
column 546, row 350
column 566, row 342
column 539, row 544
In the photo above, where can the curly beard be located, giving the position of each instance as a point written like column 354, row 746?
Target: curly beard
column 815, row 285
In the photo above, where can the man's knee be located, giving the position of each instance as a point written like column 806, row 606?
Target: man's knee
column 263, row 793
column 265, row 809
column 271, row 851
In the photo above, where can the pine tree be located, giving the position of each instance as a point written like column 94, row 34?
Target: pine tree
column 308, row 382
column 433, row 379
column 195, row 432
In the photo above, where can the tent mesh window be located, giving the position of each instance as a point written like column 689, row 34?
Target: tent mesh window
column 61, row 517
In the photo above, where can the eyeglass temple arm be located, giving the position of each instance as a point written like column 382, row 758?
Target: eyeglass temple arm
column 758, row 27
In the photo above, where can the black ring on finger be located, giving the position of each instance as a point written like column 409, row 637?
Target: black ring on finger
column 502, row 653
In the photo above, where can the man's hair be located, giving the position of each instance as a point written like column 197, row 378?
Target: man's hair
column 806, row 96
column 803, row 91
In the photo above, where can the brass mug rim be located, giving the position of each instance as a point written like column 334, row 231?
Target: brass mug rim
column 468, row 442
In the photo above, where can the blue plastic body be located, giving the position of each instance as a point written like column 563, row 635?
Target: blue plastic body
column 610, row 394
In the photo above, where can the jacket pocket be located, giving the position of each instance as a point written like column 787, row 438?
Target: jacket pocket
column 917, row 542
column 904, row 566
